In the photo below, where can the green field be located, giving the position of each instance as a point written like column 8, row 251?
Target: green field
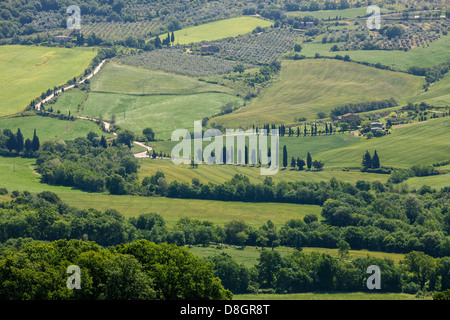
column 249, row 255
column 141, row 98
column 221, row 173
column 437, row 182
column 437, row 52
column 307, row 87
column 70, row 101
column 218, row 30
column 218, row 212
column 27, row 71
column 50, row 128
column 18, row 174
column 421, row 143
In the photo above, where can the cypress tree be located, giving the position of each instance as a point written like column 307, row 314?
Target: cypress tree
column 285, row 156
column 375, row 161
column 309, row 161
column 367, row 160
column 19, row 141
column 11, row 144
column 293, row 162
column 35, row 142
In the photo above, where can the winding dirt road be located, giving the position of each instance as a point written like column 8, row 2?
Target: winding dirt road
column 106, row 124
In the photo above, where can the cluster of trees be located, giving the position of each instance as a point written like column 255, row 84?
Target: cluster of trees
column 432, row 74
column 264, row 74
column 90, row 164
column 400, row 175
column 306, row 272
column 14, row 143
column 362, row 107
column 370, row 162
column 170, row 39
column 417, row 225
column 133, row 271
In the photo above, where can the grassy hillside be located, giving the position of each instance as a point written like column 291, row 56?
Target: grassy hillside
column 125, row 79
column 437, row 95
column 420, row 143
column 141, row 98
column 27, row 71
column 50, row 128
column 310, row 86
column 218, row 30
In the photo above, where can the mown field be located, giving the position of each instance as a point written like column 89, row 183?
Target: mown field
column 27, row 71
column 141, row 98
column 218, row 30
column 307, row 87
column 218, row 212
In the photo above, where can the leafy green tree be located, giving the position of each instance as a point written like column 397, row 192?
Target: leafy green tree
column 11, row 144
column 269, row 263
column 149, row 134
column 421, row 266
column 343, row 249
column 126, row 137
column 125, row 279
column 186, row 277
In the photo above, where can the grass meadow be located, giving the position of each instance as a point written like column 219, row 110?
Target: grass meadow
column 27, row 71
column 218, row 30
column 141, row 98
column 307, row 87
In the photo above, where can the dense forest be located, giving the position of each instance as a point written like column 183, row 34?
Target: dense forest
column 41, row 236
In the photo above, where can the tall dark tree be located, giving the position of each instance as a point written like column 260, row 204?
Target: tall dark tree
column 158, row 43
column 367, row 160
column 172, row 38
column 11, row 144
column 285, row 157
column 35, row 142
column 19, row 141
column 375, row 163
column 293, row 162
column 309, row 161
column 103, row 142
column 300, row 163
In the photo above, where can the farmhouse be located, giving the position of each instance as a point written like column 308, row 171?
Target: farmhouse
column 60, row 39
column 376, row 126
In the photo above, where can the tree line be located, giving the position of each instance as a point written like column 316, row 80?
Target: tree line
column 15, row 143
